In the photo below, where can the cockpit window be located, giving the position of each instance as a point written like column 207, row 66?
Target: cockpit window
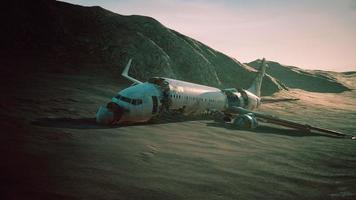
column 136, row 101
column 128, row 100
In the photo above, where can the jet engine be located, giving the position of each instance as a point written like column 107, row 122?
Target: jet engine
column 241, row 98
column 245, row 121
column 251, row 101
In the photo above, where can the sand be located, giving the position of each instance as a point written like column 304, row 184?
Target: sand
column 53, row 149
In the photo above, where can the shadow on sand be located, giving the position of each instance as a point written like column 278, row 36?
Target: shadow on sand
column 63, row 122
column 90, row 123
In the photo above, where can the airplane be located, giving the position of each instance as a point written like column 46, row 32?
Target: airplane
column 144, row 101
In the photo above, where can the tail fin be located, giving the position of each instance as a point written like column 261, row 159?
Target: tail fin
column 126, row 71
column 257, row 83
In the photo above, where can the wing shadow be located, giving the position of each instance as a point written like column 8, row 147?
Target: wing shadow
column 90, row 123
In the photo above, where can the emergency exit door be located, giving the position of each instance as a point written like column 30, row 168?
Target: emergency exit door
column 154, row 104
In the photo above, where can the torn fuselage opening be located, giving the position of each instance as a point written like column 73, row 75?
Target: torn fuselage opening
column 164, row 87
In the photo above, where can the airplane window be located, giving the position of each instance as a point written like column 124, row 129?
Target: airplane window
column 128, row 100
column 118, row 96
column 136, row 101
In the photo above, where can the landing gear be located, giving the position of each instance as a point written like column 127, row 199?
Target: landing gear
column 227, row 118
column 245, row 121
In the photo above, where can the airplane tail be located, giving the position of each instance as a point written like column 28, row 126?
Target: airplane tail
column 255, row 88
column 125, row 73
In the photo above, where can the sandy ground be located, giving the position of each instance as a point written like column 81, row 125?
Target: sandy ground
column 53, row 149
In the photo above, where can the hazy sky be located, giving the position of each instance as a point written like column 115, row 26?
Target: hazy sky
column 313, row 34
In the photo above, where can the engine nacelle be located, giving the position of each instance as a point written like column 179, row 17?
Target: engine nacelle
column 245, row 121
column 242, row 98
column 251, row 100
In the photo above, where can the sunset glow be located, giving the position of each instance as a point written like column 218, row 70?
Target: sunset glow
column 316, row 34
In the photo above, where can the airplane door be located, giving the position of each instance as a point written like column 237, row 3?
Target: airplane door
column 154, row 104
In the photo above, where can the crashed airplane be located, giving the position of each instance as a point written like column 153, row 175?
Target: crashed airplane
column 144, row 101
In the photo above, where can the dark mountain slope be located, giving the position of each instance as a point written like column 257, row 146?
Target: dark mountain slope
column 57, row 36
column 309, row 80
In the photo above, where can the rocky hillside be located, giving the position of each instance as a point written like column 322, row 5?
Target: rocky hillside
column 309, row 80
column 61, row 37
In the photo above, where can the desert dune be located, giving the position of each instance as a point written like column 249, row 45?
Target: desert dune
column 54, row 76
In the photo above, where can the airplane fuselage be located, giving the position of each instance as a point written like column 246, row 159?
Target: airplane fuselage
column 144, row 101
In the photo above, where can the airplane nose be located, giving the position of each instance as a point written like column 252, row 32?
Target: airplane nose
column 110, row 114
column 104, row 116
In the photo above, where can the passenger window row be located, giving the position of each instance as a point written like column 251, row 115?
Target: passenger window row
column 177, row 96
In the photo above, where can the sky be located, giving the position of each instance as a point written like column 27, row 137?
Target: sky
column 310, row 34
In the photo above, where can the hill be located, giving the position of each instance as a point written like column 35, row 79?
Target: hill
column 61, row 37
column 309, row 80
column 61, row 61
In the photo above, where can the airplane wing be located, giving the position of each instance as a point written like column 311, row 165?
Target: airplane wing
column 274, row 100
column 287, row 123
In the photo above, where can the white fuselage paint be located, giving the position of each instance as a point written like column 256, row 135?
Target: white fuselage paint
column 193, row 98
column 143, row 101
column 140, row 112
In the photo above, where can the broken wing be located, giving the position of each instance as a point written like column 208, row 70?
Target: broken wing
column 286, row 123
